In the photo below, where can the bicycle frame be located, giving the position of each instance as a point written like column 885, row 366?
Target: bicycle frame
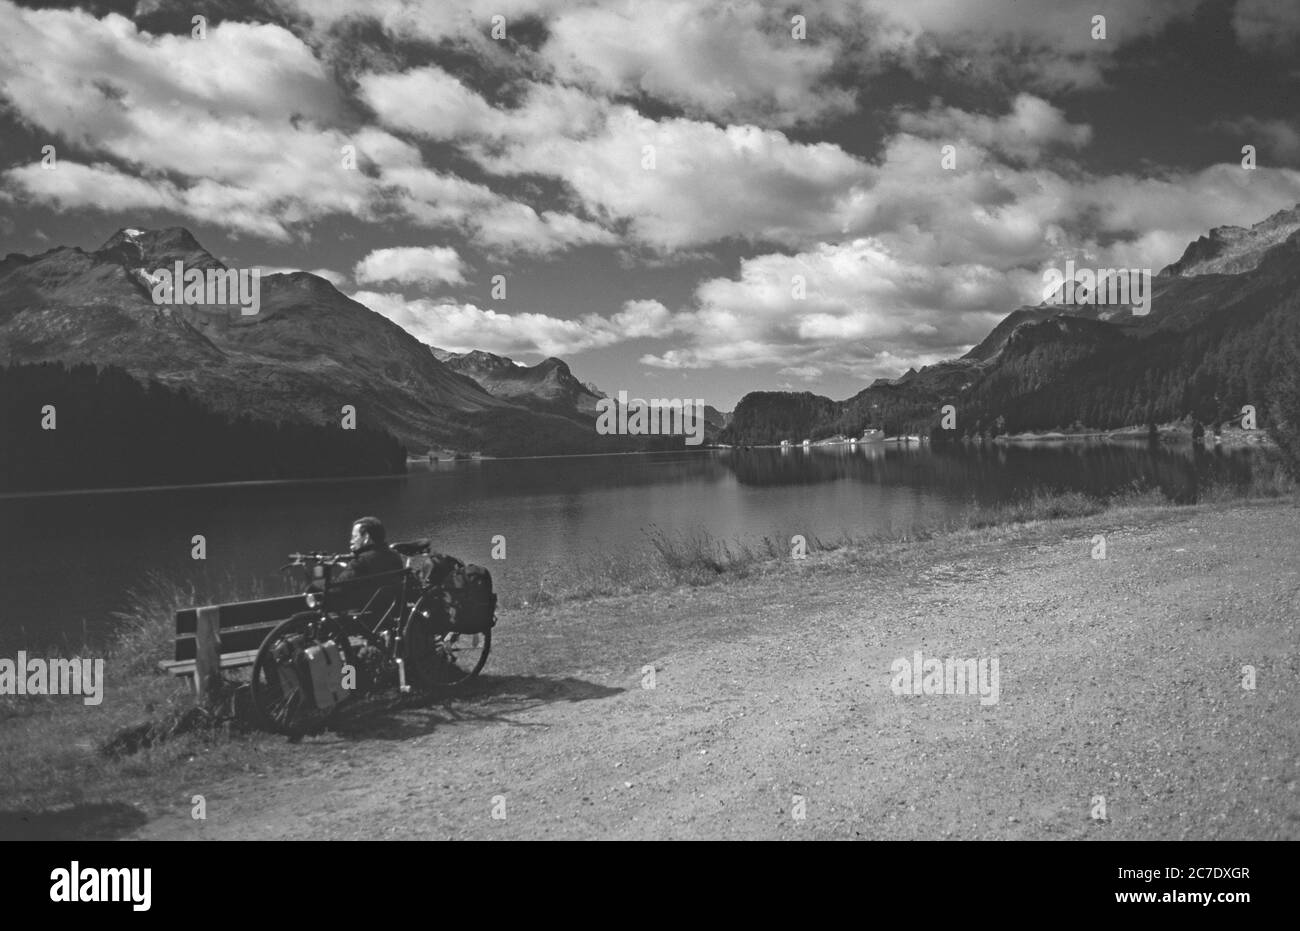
column 386, row 633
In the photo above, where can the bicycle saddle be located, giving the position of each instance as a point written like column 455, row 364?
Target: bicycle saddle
column 411, row 548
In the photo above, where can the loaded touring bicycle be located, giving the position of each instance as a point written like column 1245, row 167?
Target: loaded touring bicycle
column 427, row 626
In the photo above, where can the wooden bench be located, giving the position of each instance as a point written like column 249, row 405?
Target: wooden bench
column 216, row 637
column 227, row 636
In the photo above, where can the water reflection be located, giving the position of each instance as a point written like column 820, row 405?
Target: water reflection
column 997, row 472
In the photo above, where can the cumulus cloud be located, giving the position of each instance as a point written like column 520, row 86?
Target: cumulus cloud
column 676, row 183
column 1003, row 217
column 191, row 117
column 680, row 183
column 510, row 228
column 430, row 266
column 431, row 102
column 440, row 200
column 102, row 186
column 189, row 126
column 845, row 306
column 461, row 327
column 740, row 63
column 736, row 62
column 1048, row 48
column 1023, row 134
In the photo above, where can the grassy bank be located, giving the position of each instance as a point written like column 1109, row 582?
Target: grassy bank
column 51, row 749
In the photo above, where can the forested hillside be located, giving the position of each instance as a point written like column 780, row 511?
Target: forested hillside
column 89, row 427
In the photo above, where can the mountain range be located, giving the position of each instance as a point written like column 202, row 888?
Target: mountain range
column 1207, row 346
column 307, row 353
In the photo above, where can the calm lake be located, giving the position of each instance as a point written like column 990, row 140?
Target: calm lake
column 67, row 561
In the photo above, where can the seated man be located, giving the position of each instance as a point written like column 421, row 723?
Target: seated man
column 373, row 556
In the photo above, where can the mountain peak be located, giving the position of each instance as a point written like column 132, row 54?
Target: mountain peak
column 144, row 248
column 175, row 238
column 481, row 358
column 550, row 364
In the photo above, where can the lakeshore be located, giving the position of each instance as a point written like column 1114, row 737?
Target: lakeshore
column 1120, row 677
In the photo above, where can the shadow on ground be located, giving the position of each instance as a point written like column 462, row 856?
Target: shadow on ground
column 486, row 700
column 98, row 821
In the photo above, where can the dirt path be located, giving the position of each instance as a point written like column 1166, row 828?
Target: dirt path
column 1119, row 678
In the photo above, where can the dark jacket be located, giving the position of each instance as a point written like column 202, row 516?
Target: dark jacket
column 370, row 560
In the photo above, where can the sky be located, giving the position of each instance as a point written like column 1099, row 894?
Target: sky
column 678, row 198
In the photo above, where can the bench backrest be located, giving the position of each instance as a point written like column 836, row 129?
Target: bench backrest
column 243, row 624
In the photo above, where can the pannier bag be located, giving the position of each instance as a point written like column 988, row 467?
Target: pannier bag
column 468, row 598
column 320, row 672
column 441, row 566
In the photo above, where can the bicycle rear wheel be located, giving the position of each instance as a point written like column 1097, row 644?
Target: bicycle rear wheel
column 436, row 656
column 466, row 655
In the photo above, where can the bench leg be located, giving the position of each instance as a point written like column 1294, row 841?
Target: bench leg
column 207, row 655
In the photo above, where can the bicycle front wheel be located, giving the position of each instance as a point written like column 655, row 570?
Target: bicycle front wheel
column 282, row 693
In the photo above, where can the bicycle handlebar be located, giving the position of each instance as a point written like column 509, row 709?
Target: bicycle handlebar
column 307, row 559
column 413, row 548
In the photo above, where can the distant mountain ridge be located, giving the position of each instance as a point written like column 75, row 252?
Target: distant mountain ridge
column 1208, row 346
column 549, row 385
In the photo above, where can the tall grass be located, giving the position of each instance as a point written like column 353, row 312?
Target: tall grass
column 666, row 559
column 145, row 628
column 1039, row 505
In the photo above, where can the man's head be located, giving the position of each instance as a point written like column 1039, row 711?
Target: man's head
column 367, row 531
